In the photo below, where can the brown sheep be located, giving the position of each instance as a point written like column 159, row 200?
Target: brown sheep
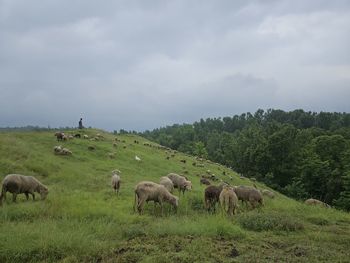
column 204, row 181
column 228, row 200
column 167, row 183
column 312, row 201
column 20, row 184
column 180, row 182
column 249, row 194
column 116, row 182
column 59, row 136
column 211, row 196
column 148, row 191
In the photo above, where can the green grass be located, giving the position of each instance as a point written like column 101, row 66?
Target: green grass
column 83, row 220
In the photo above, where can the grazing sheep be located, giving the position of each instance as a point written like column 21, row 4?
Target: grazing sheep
column 249, row 194
column 148, row 191
column 70, row 137
column 204, row 181
column 312, row 201
column 183, row 161
column 116, row 182
column 85, row 136
column 137, row 158
column 111, row 155
column 228, row 200
column 268, row 193
column 77, row 135
column 99, row 136
column 115, row 144
column 61, row 151
column 57, row 149
column 21, row 184
column 180, row 182
column 211, row 196
column 59, row 136
column 167, row 183
column 65, row 151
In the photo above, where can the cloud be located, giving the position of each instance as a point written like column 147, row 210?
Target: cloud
column 140, row 65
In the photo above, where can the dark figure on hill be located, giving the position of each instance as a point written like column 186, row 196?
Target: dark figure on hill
column 81, row 123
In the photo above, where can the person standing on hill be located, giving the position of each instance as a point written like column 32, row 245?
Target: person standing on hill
column 81, row 123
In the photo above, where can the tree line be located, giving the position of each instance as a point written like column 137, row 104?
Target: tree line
column 301, row 154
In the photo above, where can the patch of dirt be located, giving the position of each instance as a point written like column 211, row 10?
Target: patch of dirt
column 298, row 251
column 233, row 253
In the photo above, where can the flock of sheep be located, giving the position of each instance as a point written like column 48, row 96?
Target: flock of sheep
column 228, row 196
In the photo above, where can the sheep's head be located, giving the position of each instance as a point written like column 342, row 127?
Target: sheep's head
column 116, row 171
column 175, row 201
column 188, row 185
column 43, row 192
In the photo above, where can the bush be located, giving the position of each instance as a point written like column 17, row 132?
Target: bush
column 318, row 221
column 271, row 221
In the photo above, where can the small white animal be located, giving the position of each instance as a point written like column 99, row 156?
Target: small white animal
column 137, row 158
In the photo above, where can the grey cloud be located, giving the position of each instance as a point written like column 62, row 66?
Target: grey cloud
column 142, row 64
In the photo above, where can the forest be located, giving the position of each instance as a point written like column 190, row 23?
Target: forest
column 301, row 154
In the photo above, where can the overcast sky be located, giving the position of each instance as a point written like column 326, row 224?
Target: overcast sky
column 145, row 64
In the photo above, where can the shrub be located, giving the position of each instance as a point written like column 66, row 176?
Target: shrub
column 271, row 221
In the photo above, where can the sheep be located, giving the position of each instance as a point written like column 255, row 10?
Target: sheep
column 85, row 136
column 228, row 198
column 167, row 183
column 91, row 148
column 77, row 135
column 312, row 201
column 204, row 181
column 180, row 182
column 183, row 161
column 116, row 182
column 211, row 196
column 70, row 137
column 65, row 151
column 57, row 149
column 59, row 136
column 249, row 194
column 115, row 144
column 61, row 151
column 111, row 155
column 268, row 193
column 146, row 191
column 137, row 158
column 21, row 184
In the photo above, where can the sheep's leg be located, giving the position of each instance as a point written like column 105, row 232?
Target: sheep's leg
column 161, row 207
column 27, row 196
column 33, row 195
column 14, row 196
column 140, row 206
column 136, row 201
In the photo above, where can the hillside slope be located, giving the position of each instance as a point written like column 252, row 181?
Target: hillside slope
column 83, row 220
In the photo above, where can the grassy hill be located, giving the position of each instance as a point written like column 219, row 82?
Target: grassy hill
column 83, row 220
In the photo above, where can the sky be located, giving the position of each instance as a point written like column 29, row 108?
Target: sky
column 138, row 65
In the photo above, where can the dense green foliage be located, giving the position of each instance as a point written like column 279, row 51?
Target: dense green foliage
column 302, row 154
column 82, row 219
